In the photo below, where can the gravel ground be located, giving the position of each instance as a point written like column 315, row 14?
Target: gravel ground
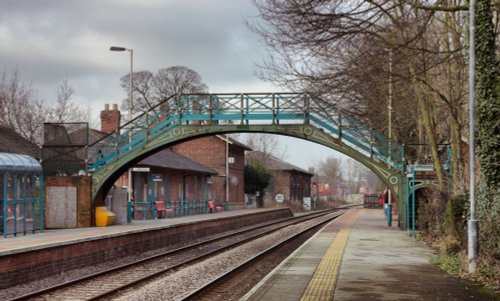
column 19, row 290
column 180, row 283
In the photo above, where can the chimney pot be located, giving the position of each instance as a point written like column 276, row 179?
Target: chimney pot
column 115, row 107
column 106, row 107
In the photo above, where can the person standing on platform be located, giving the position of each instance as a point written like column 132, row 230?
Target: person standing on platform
column 383, row 200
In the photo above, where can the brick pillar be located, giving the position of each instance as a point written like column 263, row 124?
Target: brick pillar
column 110, row 119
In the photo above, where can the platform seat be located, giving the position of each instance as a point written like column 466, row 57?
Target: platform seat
column 214, row 208
column 160, row 207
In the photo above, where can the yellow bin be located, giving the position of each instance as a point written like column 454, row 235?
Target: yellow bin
column 104, row 217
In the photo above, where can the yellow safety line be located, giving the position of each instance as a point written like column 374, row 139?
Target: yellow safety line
column 322, row 285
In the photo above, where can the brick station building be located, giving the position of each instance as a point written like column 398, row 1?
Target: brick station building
column 193, row 170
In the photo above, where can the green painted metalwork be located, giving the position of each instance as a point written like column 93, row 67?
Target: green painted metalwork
column 171, row 119
column 297, row 115
column 21, row 194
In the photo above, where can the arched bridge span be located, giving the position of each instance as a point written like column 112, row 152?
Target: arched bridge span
column 298, row 115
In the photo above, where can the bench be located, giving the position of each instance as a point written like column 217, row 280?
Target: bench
column 214, row 208
column 160, row 207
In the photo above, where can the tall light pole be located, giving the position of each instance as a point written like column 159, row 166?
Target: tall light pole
column 472, row 247
column 389, row 197
column 130, row 104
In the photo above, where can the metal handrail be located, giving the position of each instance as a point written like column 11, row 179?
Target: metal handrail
column 245, row 108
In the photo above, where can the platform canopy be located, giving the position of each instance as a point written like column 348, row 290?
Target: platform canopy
column 18, row 162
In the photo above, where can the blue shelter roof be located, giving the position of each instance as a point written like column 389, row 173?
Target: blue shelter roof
column 18, row 162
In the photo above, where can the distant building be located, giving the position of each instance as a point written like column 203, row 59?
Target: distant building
column 211, row 152
column 293, row 182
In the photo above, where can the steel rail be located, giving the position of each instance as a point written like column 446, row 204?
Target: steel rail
column 194, row 295
column 274, row 224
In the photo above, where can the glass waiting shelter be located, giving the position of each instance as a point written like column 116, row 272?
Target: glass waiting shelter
column 21, row 199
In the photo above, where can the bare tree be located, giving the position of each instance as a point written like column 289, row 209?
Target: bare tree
column 22, row 109
column 330, row 172
column 348, row 52
column 65, row 110
column 266, row 146
column 150, row 89
column 178, row 80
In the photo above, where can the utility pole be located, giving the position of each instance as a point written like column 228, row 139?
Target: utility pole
column 472, row 225
column 389, row 204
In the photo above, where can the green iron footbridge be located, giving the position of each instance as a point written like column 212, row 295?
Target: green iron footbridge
column 185, row 117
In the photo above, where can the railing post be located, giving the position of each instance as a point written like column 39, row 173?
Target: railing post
column 242, row 109
column 340, row 126
column 371, row 142
column 179, row 110
column 277, row 110
column 274, row 108
column 306, row 109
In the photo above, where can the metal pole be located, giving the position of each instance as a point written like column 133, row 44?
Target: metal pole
column 472, row 223
column 227, row 173
column 389, row 201
column 407, row 201
column 130, row 104
column 413, row 201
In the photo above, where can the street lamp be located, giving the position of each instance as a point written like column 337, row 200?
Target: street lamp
column 389, row 197
column 130, row 95
column 130, row 104
column 472, row 223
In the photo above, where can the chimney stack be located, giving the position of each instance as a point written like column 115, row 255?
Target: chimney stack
column 110, row 119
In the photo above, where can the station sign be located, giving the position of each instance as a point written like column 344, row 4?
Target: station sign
column 157, row 178
column 279, row 198
column 424, row 167
column 141, row 169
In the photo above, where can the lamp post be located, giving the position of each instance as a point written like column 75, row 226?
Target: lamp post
column 389, row 197
column 472, row 223
column 130, row 104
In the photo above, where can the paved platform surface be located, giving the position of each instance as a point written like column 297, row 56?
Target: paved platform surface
column 48, row 238
column 358, row 257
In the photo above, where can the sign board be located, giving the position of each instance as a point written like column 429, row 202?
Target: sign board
column 307, row 203
column 424, row 167
column 141, row 169
column 230, row 160
column 279, row 198
column 157, row 178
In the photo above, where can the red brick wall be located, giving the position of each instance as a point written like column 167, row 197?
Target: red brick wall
column 211, row 152
column 83, row 186
column 23, row 267
column 283, row 181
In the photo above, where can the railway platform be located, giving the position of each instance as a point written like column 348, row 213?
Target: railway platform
column 59, row 237
column 32, row 257
column 358, row 257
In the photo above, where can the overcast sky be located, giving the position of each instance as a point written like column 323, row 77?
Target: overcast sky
column 49, row 41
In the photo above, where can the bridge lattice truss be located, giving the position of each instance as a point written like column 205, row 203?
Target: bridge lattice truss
column 246, row 109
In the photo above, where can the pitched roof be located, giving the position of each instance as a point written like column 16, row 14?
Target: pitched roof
column 234, row 142
column 172, row 160
column 273, row 163
column 12, row 142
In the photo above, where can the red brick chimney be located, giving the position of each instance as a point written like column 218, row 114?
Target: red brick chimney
column 110, row 119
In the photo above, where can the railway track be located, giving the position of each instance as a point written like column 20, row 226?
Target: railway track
column 109, row 282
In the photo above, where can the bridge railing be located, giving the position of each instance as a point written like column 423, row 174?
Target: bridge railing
column 241, row 108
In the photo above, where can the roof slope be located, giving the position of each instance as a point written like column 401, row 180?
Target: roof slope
column 170, row 159
column 14, row 143
column 273, row 163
